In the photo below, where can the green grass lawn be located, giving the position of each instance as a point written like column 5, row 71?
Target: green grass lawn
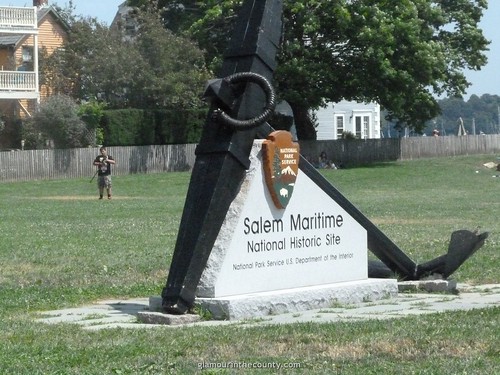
column 60, row 246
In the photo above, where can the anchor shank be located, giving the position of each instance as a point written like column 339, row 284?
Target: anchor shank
column 222, row 154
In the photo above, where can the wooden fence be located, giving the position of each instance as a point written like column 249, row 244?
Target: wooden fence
column 355, row 152
column 424, row 147
column 75, row 163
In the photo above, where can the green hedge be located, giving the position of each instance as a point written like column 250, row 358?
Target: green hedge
column 137, row 127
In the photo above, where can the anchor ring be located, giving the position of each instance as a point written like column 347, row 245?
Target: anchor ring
column 268, row 89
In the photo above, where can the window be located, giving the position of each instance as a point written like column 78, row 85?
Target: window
column 357, row 121
column 362, row 124
column 366, row 126
column 27, row 54
column 130, row 26
column 339, row 125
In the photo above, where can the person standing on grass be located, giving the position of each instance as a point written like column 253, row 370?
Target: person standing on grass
column 103, row 162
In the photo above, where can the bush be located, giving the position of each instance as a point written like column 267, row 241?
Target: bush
column 58, row 121
column 136, row 127
column 122, row 127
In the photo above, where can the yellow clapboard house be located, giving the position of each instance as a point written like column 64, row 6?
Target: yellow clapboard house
column 24, row 32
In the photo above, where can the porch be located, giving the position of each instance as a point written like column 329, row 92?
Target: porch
column 16, row 23
column 18, row 20
column 18, row 85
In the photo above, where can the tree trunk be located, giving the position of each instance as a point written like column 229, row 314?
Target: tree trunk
column 304, row 122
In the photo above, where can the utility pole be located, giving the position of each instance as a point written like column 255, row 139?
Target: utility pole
column 498, row 109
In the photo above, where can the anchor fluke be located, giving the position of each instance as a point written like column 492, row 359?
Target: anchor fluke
column 463, row 244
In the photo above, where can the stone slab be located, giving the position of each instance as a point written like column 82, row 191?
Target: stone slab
column 263, row 304
column 261, row 248
column 153, row 317
column 431, row 286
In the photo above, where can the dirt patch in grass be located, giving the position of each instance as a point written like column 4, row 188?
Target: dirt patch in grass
column 419, row 221
column 402, row 349
column 80, row 197
column 22, row 273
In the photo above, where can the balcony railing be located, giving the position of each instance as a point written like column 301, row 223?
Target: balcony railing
column 17, row 19
column 17, row 82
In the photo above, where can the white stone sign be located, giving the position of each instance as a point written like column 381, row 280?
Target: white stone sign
column 260, row 248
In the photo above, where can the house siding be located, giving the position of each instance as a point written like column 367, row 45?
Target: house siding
column 326, row 123
column 51, row 35
column 5, row 61
column 349, row 111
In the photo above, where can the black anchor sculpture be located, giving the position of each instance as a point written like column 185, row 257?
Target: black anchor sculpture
column 241, row 103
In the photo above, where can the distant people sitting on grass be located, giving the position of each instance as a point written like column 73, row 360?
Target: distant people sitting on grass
column 324, row 162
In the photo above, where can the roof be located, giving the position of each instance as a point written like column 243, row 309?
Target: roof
column 44, row 11
column 9, row 40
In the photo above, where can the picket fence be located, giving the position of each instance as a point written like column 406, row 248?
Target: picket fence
column 77, row 163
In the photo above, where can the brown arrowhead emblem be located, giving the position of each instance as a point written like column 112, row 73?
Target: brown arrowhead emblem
column 281, row 165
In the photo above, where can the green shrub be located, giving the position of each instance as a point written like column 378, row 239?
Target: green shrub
column 123, row 127
column 136, row 127
column 180, row 126
column 57, row 120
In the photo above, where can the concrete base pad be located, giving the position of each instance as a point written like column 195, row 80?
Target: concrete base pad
column 258, row 305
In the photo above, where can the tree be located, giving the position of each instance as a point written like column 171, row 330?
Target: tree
column 91, row 113
column 175, row 71
column 482, row 111
column 152, row 69
column 57, row 119
column 399, row 53
column 178, row 16
column 96, row 63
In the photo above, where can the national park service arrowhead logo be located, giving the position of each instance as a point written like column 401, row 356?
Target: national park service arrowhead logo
column 281, row 165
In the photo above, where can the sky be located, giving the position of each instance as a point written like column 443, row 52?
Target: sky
column 104, row 10
column 485, row 81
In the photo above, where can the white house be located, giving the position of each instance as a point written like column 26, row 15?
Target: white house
column 360, row 119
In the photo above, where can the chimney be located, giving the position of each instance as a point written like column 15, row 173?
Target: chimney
column 40, row 3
